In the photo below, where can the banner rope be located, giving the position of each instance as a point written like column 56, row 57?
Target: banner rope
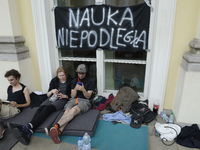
column 148, row 3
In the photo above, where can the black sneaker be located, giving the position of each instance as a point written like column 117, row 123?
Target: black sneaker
column 23, row 137
column 10, row 126
column 26, row 128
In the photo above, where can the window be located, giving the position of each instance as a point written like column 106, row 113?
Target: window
column 157, row 60
column 110, row 70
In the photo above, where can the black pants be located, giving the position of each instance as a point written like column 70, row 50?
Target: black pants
column 41, row 115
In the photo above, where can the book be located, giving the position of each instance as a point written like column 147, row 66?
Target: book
column 6, row 102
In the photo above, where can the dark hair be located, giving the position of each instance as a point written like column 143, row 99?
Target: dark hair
column 12, row 72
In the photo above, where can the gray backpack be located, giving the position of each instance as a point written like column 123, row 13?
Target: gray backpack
column 123, row 100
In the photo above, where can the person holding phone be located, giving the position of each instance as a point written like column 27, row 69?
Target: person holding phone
column 82, row 88
column 59, row 86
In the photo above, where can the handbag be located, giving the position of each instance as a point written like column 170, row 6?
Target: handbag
column 7, row 111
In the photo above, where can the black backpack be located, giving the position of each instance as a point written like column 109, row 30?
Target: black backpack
column 141, row 107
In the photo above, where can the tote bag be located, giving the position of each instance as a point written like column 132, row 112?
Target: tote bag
column 7, row 111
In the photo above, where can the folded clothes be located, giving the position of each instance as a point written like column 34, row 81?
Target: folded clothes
column 117, row 116
column 103, row 100
column 99, row 99
column 102, row 106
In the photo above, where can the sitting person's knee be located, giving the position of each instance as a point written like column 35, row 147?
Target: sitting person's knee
column 67, row 110
column 75, row 110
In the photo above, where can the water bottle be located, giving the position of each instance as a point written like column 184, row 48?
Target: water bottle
column 80, row 144
column 171, row 118
column 164, row 116
column 86, row 142
column 156, row 107
column 157, row 133
column 53, row 98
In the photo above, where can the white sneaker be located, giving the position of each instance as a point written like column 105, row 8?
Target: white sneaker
column 46, row 131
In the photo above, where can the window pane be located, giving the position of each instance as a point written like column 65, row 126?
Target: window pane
column 126, row 55
column 118, row 75
column 78, row 53
column 71, row 66
column 75, row 3
column 123, row 2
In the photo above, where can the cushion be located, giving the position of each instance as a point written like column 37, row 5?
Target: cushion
column 22, row 118
column 81, row 124
column 49, row 121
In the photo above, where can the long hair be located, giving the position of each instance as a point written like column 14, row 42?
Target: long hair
column 61, row 69
column 13, row 73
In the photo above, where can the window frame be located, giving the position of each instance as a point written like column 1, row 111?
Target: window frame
column 101, row 75
column 161, row 31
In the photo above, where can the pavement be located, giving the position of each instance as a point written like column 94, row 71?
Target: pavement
column 154, row 143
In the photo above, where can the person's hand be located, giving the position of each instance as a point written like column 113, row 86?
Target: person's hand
column 79, row 87
column 13, row 104
column 55, row 91
column 61, row 96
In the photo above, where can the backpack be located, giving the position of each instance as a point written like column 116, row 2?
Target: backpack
column 123, row 100
column 141, row 107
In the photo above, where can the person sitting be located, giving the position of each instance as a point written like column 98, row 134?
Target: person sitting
column 18, row 96
column 60, row 86
column 82, row 88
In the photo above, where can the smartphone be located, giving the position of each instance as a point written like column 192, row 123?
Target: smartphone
column 79, row 83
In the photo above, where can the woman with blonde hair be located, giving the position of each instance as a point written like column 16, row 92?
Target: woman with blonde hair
column 59, row 87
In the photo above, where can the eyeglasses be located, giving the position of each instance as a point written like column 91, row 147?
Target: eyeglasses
column 81, row 73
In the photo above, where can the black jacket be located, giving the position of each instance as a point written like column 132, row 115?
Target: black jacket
column 54, row 84
column 189, row 136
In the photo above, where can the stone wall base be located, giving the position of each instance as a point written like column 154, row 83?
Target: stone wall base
column 187, row 98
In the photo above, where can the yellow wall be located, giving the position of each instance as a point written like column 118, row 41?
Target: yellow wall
column 27, row 30
column 185, row 29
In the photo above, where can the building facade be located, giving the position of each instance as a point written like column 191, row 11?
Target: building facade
column 28, row 44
